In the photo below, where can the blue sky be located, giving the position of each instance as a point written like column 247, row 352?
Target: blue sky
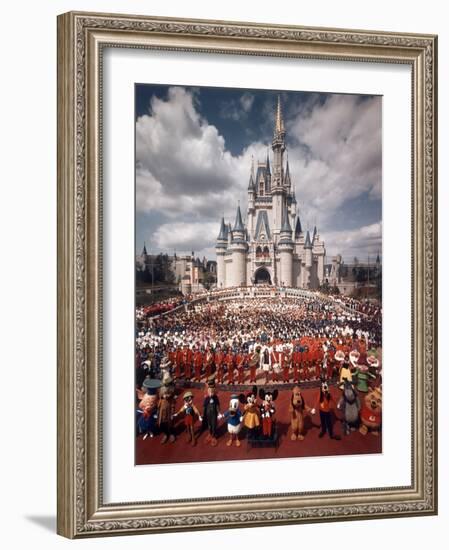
column 193, row 159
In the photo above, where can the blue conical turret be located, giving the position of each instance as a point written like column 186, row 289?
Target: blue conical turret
column 238, row 226
column 222, row 235
column 298, row 228
column 307, row 243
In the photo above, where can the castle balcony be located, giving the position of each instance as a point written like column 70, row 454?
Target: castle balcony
column 263, row 260
column 264, row 199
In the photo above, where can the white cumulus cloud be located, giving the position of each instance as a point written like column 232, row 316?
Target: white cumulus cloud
column 185, row 171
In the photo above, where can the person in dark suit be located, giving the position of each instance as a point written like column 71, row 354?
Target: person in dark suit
column 211, row 413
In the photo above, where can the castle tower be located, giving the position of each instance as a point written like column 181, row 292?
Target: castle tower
column 285, row 248
column 220, row 248
column 266, row 250
column 239, row 248
column 278, row 190
column 291, row 194
column 308, row 261
column 319, row 252
column 251, row 200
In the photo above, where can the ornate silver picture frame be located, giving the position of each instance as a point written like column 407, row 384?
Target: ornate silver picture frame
column 82, row 40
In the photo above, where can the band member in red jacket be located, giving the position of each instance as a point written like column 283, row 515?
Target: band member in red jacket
column 187, row 358
column 254, row 360
column 286, row 361
column 276, row 360
column 241, row 361
column 208, row 362
column 197, row 364
column 219, row 359
column 230, row 366
column 178, row 363
column 296, row 360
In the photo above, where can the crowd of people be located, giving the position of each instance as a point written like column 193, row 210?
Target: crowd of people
column 152, row 310
column 296, row 340
column 364, row 306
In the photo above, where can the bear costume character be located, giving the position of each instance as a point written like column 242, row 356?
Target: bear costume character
column 371, row 412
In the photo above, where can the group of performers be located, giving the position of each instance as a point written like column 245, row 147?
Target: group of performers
column 245, row 348
column 308, row 359
column 157, row 398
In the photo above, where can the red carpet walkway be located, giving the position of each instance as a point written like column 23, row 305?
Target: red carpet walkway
column 151, row 451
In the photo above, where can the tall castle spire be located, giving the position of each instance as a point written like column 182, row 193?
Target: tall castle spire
column 252, row 185
column 278, row 146
column 279, row 126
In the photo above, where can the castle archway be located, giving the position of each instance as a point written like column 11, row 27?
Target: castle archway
column 262, row 276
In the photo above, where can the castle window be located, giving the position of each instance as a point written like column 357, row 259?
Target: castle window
column 266, row 251
column 261, row 188
column 258, row 252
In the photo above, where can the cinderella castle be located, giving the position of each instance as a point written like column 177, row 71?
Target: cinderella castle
column 271, row 247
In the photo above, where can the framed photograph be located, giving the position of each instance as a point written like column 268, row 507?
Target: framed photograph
column 246, row 274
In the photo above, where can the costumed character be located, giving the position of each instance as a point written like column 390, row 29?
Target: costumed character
column 234, row 418
column 211, row 413
column 251, row 412
column 349, row 405
column 165, row 368
column 362, row 376
column 371, row 412
column 324, row 404
column 147, row 412
column 190, row 413
column 345, row 371
column 374, row 367
column 267, row 410
column 142, row 371
column 166, row 410
column 297, row 408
